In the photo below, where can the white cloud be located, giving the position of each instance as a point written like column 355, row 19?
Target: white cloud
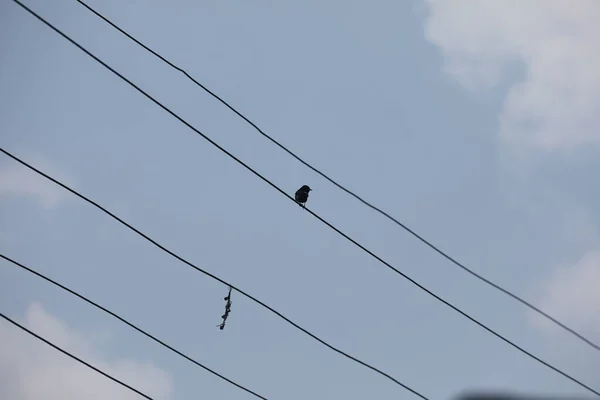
column 571, row 294
column 556, row 104
column 30, row 369
column 17, row 180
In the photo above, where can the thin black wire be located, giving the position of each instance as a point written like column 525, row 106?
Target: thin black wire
column 171, row 253
column 416, row 235
column 123, row 320
column 564, row 374
column 237, row 289
column 75, row 357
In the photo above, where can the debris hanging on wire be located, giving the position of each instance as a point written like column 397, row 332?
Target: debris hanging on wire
column 227, row 310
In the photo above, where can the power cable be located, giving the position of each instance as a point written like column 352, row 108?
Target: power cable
column 75, row 357
column 237, row 289
column 166, row 250
column 385, row 214
column 271, row 309
column 123, row 320
column 564, row 374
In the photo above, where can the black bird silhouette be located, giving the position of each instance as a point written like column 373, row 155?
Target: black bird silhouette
column 302, row 195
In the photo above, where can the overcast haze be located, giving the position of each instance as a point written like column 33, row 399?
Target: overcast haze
column 475, row 123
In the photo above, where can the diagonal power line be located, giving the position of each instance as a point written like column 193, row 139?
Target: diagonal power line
column 123, row 320
column 351, row 193
column 181, row 259
column 445, row 302
column 15, row 323
column 237, row 289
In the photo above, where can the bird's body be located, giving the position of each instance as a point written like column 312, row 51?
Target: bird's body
column 302, row 195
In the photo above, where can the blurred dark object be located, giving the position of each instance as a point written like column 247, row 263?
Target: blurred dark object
column 515, row 396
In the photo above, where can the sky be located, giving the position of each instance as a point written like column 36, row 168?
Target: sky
column 474, row 123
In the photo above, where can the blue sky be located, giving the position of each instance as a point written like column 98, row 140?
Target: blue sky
column 475, row 126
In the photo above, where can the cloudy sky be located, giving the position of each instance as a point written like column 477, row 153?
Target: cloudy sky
column 475, row 123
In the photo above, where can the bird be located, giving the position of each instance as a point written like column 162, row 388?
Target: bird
column 302, row 195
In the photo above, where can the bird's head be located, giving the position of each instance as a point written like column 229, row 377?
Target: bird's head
column 306, row 188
